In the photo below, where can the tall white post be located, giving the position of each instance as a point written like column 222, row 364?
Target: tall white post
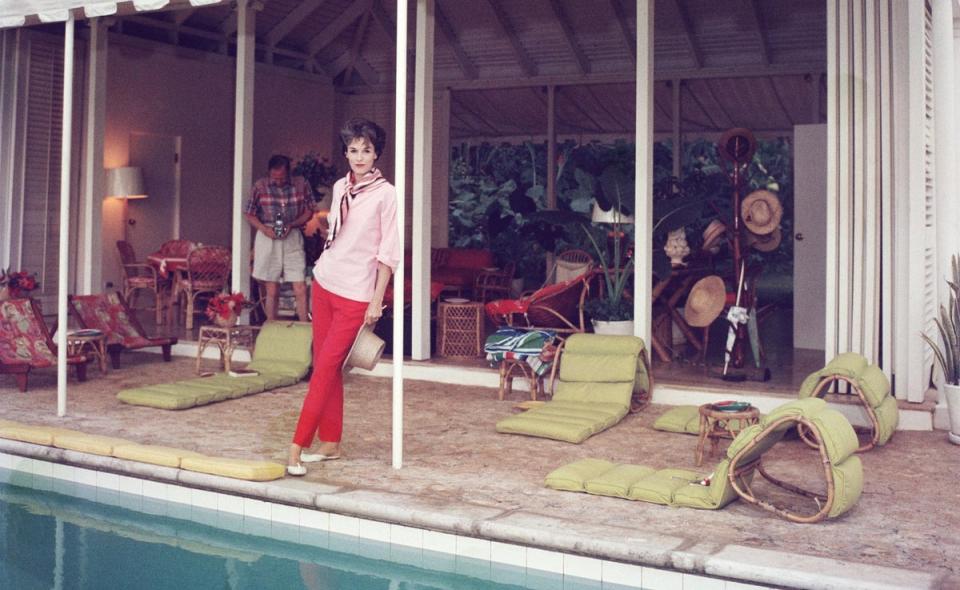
column 243, row 144
column 643, row 175
column 422, row 180
column 63, row 286
column 91, row 244
column 400, row 131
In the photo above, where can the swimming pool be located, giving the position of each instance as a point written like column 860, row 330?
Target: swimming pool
column 59, row 534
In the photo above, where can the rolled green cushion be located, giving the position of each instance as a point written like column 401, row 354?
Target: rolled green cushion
column 683, row 419
column 875, row 385
column 808, row 385
column 617, row 481
column 888, row 415
column 848, row 480
column 571, row 477
column 800, row 407
column 838, row 437
column 848, row 364
column 659, row 487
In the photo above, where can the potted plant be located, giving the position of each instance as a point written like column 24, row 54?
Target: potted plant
column 948, row 324
column 16, row 284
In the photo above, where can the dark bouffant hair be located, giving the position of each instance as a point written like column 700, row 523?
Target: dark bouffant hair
column 366, row 129
column 278, row 161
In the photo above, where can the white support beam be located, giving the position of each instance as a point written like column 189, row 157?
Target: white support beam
column 582, row 63
column 946, row 119
column 695, row 52
column 422, row 180
column 289, row 22
column 643, row 174
column 756, row 14
column 243, row 144
column 337, row 26
column 400, row 180
column 628, row 37
column 66, row 151
column 95, row 116
column 526, row 64
column 463, row 60
column 229, row 26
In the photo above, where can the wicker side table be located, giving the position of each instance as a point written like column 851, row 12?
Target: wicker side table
column 460, row 329
column 227, row 340
column 85, row 341
column 716, row 424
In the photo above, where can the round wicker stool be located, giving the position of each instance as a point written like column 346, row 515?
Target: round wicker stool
column 716, row 424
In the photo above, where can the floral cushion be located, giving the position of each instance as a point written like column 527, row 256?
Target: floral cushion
column 24, row 340
column 108, row 314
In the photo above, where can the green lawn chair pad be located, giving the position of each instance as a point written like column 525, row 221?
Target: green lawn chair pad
column 145, row 396
column 848, row 480
column 596, row 368
column 556, row 430
column 607, row 393
column 888, row 416
column 617, row 481
column 295, row 369
column 571, row 476
column 682, row 419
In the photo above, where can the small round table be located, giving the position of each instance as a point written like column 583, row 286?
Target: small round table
column 85, row 341
column 716, row 424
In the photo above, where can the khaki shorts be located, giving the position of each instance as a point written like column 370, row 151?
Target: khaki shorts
column 279, row 260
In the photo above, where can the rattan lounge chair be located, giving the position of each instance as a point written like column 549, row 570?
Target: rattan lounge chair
column 556, row 307
column 870, row 386
column 25, row 342
column 599, row 375
column 733, row 477
column 109, row 313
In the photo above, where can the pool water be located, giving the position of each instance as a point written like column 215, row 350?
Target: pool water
column 54, row 540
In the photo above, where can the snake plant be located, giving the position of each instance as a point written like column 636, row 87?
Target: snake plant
column 948, row 324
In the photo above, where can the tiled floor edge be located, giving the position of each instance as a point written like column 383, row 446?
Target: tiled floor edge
column 354, row 518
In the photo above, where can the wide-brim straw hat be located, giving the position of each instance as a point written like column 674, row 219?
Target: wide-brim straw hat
column 767, row 243
column 705, row 301
column 713, row 235
column 737, row 145
column 366, row 350
column 761, row 212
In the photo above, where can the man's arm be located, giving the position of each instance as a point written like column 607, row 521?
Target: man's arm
column 260, row 226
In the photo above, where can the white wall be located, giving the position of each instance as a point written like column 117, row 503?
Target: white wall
column 153, row 88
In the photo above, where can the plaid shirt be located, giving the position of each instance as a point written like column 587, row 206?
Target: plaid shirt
column 269, row 198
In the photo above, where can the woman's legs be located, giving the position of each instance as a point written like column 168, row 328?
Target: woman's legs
column 336, row 321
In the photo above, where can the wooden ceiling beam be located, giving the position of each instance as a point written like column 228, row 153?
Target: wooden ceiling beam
column 181, row 16
column 386, row 23
column 783, row 107
column 628, row 37
column 356, row 45
column 473, row 113
column 526, row 64
column 338, row 25
column 290, row 22
column 582, row 63
column 762, row 41
column 719, row 104
column 463, row 60
column 695, row 52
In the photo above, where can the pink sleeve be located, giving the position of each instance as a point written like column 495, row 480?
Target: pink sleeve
column 389, row 250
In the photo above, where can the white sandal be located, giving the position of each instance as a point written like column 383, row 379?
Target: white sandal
column 311, row 458
column 296, row 470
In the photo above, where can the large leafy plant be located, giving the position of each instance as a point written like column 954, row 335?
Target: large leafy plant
column 948, row 325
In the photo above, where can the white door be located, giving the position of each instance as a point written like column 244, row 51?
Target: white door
column 809, row 235
column 156, row 219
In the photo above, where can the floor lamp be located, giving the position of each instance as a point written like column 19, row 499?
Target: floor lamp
column 126, row 183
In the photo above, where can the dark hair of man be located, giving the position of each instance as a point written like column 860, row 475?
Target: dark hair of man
column 363, row 129
column 278, row 161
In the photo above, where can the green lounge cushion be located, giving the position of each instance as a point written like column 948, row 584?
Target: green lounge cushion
column 146, row 396
column 682, row 419
column 608, row 393
column 888, row 415
column 848, row 485
column 716, row 495
column 875, row 385
column 294, row 369
column 617, row 480
column 597, row 368
column 571, row 422
column 571, row 477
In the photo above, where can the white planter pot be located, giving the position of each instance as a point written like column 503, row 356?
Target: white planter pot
column 952, row 394
column 620, row 328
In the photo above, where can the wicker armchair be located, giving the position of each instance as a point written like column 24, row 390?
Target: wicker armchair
column 141, row 276
column 208, row 270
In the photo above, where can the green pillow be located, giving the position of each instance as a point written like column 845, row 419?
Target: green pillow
column 571, row 477
column 683, row 419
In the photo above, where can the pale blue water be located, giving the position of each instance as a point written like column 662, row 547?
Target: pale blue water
column 66, row 541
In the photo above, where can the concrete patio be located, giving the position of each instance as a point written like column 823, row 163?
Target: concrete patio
column 460, row 475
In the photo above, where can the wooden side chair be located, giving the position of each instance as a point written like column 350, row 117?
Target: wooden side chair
column 25, row 342
column 208, row 270
column 139, row 276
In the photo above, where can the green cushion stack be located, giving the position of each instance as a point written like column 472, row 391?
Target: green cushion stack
column 281, row 357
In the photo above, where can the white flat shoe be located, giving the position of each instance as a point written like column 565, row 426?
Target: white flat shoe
column 296, row 470
column 318, row 457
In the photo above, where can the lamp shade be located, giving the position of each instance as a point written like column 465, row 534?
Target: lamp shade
column 612, row 216
column 126, row 183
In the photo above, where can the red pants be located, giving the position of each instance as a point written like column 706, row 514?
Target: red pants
column 336, row 321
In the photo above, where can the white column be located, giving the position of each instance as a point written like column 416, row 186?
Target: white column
column 243, row 144
column 551, row 184
column 66, row 143
column 400, row 165
column 91, row 247
column 422, row 180
column 643, row 170
column 945, row 119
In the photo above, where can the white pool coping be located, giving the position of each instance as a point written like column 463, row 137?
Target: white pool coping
column 522, row 540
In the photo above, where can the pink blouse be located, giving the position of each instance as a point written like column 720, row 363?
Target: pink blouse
column 369, row 235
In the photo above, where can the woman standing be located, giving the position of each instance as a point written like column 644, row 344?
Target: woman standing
column 350, row 278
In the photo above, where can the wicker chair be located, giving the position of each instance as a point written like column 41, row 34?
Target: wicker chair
column 556, row 307
column 208, row 270
column 494, row 282
column 25, row 342
column 137, row 276
column 569, row 265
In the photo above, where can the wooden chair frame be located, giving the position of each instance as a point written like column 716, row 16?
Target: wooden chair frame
column 133, row 270
column 21, row 371
column 821, row 390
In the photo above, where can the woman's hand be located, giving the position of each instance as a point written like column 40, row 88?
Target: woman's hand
column 374, row 312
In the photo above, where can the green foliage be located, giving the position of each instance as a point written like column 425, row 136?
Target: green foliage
column 317, row 170
column 948, row 325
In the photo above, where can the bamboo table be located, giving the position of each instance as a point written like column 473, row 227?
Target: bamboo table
column 86, row 342
column 227, row 340
column 716, row 424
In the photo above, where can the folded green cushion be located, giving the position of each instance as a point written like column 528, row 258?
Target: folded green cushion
column 659, row 487
column 848, row 479
column 875, row 385
column 888, row 415
column 571, row 477
column 617, row 481
column 683, row 419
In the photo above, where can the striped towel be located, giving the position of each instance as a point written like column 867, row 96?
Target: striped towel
column 524, row 345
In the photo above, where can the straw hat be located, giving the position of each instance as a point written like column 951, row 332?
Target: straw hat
column 366, row 350
column 761, row 212
column 713, row 235
column 737, row 145
column 705, row 301
column 767, row 243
